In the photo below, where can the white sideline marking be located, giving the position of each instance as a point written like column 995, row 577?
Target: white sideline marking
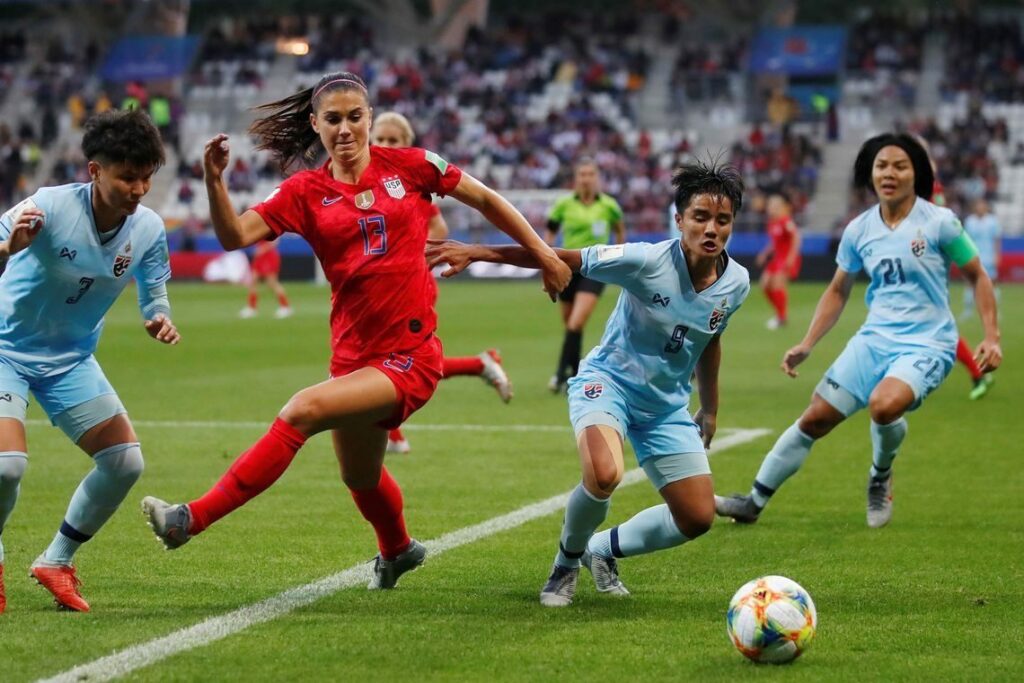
column 251, row 424
column 213, row 629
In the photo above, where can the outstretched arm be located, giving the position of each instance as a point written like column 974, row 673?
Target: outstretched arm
column 458, row 255
column 498, row 211
column 830, row 307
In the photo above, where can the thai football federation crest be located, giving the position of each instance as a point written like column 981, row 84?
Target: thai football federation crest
column 395, row 187
column 718, row 315
column 593, row 390
column 123, row 260
column 918, row 245
column 364, row 200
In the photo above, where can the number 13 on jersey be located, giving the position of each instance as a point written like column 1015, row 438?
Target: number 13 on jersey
column 375, row 235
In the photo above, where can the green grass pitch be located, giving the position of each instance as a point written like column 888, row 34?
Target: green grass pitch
column 934, row 596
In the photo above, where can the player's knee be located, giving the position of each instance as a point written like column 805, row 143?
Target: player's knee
column 303, row 411
column 12, row 468
column 816, row 424
column 123, row 462
column 605, row 479
column 694, row 523
column 886, row 408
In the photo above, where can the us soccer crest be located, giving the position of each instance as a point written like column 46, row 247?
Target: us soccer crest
column 395, row 187
column 593, row 389
column 718, row 315
column 364, row 200
column 918, row 245
column 123, row 260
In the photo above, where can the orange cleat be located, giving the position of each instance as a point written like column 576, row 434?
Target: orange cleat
column 3, row 593
column 62, row 582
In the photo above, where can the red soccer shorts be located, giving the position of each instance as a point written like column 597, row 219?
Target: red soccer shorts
column 778, row 265
column 267, row 263
column 414, row 374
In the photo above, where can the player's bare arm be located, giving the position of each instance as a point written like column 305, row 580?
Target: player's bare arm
column 706, row 371
column 458, row 255
column 507, row 218
column 830, row 307
column 233, row 231
column 989, row 354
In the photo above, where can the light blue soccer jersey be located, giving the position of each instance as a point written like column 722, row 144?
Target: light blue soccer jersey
column 985, row 232
column 908, row 297
column 660, row 325
column 54, row 294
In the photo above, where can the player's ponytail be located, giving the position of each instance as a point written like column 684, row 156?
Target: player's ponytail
column 286, row 132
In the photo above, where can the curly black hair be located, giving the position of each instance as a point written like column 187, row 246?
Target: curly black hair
column 707, row 177
column 126, row 137
column 924, row 176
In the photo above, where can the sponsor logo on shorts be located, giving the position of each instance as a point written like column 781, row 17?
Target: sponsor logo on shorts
column 593, row 390
column 6, row 397
column 834, row 385
column 398, row 362
column 395, row 187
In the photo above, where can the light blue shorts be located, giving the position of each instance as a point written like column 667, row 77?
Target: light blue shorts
column 594, row 399
column 868, row 359
column 76, row 400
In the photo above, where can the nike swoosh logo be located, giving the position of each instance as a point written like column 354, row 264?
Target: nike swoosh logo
column 328, row 202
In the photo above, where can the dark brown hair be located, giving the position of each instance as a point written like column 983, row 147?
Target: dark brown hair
column 285, row 130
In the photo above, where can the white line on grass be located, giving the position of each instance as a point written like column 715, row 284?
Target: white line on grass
column 251, row 424
column 216, row 628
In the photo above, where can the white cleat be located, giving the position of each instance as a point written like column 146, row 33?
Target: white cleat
column 879, row 502
column 494, row 374
column 398, row 446
column 247, row 312
column 773, row 323
column 605, row 571
column 283, row 312
column 560, row 587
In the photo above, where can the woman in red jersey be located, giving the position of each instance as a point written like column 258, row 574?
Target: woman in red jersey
column 365, row 214
column 391, row 129
column 782, row 254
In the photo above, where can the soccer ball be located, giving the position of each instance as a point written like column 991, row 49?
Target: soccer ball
column 771, row 619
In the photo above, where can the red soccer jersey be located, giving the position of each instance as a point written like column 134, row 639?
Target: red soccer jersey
column 780, row 232
column 369, row 238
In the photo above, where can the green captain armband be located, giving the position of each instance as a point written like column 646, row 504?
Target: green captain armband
column 961, row 249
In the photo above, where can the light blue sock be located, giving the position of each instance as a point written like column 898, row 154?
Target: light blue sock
column 781, row 463
column 583, row 514
column 12, row 468
column 648, row 530
column 885, row 442
column 96, row 499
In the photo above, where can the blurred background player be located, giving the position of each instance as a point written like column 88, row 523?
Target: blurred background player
column 677, row 298
column 782, row 256
column 365, row 213
column 585, row 218
column 69, row 252
column 391, row 129
column 983, row 227
column 266, row 267
column 905, row 348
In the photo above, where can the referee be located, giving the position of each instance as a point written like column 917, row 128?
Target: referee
column 585, row 218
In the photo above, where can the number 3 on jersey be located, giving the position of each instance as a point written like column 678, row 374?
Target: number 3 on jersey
column 375, row 235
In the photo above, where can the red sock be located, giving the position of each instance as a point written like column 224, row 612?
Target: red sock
column 778, row 299
column 282, row 300
column 395, row 435
column 382, row 507
column 253, row 298
column 467, row 365
column 251, row 474
column 964, row 355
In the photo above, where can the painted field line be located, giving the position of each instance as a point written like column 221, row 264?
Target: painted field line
column 251, row 424
column 217, row 628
